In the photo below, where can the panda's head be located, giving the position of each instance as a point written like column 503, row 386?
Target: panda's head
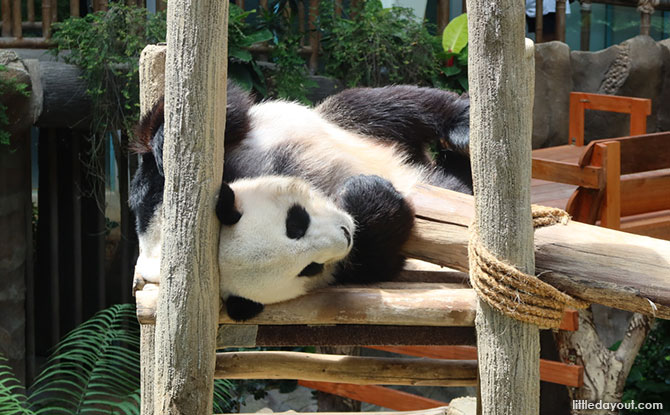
column 280, row 237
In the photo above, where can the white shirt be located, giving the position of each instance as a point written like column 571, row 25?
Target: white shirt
column 548, row 6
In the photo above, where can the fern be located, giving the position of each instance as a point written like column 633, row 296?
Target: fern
column 94, row 369
column 12, row 400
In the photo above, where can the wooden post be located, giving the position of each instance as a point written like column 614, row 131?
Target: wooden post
column 560, row 20
column 74, row 8
column 501, row 76
column 539, row 21
column 442, row 15
column 585, row 38
column 30, row 8
column 313, row 35
column 17, row 31
column 46, row 19
column 152, row 87
column 195, row 114
column 6, row 18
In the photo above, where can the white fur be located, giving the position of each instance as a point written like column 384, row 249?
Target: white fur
column 148, row 264
column 326, row 144
column 258, row 261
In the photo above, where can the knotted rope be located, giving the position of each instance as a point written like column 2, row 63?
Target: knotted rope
column 516, row 294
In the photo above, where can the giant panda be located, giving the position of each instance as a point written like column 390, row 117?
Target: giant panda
column 312, row 196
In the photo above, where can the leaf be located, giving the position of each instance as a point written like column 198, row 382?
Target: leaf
column 455, row 35
column 241, row 54
column 260, row 36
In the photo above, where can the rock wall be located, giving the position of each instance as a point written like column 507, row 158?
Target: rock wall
column 638, row 67
column 14, row 218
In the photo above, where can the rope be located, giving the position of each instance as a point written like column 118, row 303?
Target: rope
column 516, row 294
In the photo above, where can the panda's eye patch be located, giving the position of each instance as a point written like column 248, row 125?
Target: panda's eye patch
column 297, row 222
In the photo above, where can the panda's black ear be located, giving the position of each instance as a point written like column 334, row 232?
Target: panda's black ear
column 225, row 206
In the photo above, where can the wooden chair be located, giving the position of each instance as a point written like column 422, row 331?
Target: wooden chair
column 620, row 183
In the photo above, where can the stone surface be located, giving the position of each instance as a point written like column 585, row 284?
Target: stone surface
column 18, row 105
column 553, row 83
column 633, row 68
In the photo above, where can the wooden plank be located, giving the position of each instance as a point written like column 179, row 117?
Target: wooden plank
column 645, row 192
column 376, row 395
column 638, row 153
column 567, row 153
column 353, row 305
column 346, row 369
column 568, row 173
column 638, row 116
column 654, row 224
column 614, row 103
column 550, row 371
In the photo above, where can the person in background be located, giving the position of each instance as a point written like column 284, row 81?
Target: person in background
column 548, row 19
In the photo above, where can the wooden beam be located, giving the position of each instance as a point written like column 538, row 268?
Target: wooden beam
column 550, row 371
column 16, row 19
column 6, row 9
column 600, row 265
column 429, row 305
column 442, row 15
column 346, row 369
column 376, row 395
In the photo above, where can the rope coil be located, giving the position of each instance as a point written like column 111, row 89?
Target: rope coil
column 516, row 294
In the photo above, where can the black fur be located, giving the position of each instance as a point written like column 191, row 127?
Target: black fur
column 410, row 116
column 384, row 220
column 240, row 309
column 311, row 270
column 225, row 206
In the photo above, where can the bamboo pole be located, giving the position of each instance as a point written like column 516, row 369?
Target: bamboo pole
column 16, row 19
column 313, row 35
column 585, row 38
column 6, row 6
column 46, row 19
column 30, row 8
column 74, row 8
column 188, row 304
column 560, row 20
column 539, row 21
column 500, row 72
column 442, row 15
column 347, row 369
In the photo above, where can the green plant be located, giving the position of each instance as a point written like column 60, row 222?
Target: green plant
column 290, row 78
column 8, row 86
column 378, row 46
column 242, row 67
column 649, row 378
column 94, row 369
column 455, row 46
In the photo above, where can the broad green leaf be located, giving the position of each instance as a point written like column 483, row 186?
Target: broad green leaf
column 455, row 35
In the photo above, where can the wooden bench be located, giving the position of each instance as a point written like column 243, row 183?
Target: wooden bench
column 620, row 183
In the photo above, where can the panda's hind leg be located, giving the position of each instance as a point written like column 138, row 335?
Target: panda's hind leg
column 384, row 220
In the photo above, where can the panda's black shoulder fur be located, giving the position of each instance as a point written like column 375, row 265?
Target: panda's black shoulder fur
column 410, row 116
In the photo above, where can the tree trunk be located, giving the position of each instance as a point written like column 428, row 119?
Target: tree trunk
column 501, row 76
column 195, row 106
column 605, row 371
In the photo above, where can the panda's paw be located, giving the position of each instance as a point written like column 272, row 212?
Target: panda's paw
column 241, row 309
column 384, row 220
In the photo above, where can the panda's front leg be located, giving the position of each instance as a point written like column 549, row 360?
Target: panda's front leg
column 384, row 220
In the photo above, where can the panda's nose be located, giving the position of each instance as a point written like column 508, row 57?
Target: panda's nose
column 347, row 234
